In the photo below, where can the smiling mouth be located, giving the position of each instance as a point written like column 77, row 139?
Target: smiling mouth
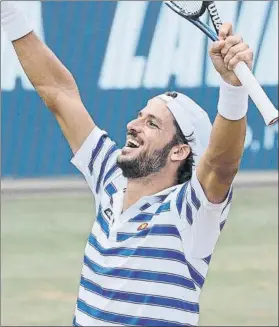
column 132, row 144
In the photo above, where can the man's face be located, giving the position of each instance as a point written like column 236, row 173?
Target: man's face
column 149, row 141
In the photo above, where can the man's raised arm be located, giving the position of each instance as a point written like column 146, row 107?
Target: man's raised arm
column 220, row 163
column 51, row 79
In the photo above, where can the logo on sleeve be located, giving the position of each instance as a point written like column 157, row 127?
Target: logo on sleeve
column 108, row 213
column 142, row 226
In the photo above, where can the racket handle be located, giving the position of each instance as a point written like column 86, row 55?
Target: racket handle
column 257, row 94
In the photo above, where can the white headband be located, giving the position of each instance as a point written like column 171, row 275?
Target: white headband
column 192, row 120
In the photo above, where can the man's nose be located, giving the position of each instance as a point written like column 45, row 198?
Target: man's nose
column 135, row 125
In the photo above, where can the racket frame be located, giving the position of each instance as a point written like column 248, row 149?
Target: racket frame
column 194, row 19
column 246, row 77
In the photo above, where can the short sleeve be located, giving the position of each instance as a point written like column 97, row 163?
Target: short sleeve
column 96, row 160
column 203, row 220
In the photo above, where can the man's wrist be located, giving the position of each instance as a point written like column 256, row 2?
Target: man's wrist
column 233, row 101
column 14, row 21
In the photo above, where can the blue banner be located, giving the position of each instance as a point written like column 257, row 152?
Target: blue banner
column 121, row 54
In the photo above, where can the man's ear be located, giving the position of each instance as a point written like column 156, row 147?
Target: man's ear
column 180, row 152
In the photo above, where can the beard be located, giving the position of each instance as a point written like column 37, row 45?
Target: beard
column 145, row 164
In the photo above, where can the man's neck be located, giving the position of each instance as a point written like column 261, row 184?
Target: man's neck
column 137, row 188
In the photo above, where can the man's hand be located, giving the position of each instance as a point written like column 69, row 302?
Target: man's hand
column 228, row 52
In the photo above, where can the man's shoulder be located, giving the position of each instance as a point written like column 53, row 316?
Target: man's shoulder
column 112, row 185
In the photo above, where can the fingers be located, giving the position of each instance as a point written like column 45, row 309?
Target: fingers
column 217, row 47
column 230, row 42
column 234, row 50
column 225, row 30
column 231, row 48
column 246, row 56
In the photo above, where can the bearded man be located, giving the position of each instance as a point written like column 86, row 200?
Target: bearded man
column 161, row 201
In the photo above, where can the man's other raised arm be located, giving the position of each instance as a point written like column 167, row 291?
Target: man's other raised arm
column 51, row 79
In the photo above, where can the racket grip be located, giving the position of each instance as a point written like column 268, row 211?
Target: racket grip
column 257, row 94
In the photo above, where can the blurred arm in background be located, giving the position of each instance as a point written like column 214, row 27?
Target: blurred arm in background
column 57, row 88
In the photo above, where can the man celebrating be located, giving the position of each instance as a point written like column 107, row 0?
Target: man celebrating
column 161, row 201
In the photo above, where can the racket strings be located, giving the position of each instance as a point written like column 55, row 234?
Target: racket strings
column 189, row 8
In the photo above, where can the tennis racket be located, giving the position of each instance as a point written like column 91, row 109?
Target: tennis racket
column 192, row 10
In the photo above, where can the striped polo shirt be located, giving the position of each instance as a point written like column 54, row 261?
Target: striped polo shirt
column 145, row 266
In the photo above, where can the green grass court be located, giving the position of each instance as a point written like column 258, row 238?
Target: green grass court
column 42, row 244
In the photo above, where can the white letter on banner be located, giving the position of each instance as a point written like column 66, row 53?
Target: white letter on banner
column 267, row 68
column 270, row 137
column 176, row 49
column 10, row 65
column 252, row 11
column 248, row 137
column 121, row 69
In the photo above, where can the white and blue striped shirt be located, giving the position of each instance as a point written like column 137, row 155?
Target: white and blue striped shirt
column 147, row 265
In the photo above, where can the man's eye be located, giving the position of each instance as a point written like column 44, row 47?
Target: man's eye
column 151, row 123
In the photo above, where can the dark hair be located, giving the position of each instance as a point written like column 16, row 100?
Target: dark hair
column 185, row 170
